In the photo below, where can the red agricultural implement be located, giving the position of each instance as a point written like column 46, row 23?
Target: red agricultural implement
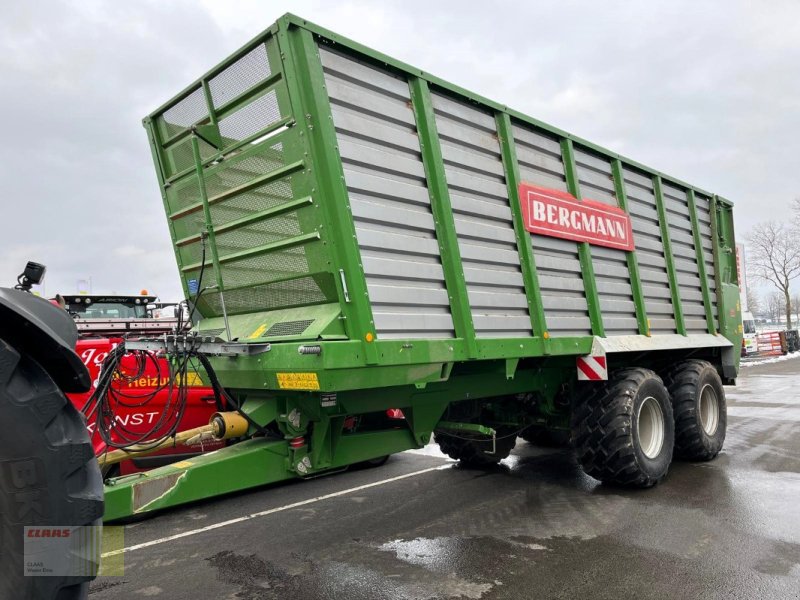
column 141, row 405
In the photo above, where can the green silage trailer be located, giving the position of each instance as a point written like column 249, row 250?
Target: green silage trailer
column 358, row 236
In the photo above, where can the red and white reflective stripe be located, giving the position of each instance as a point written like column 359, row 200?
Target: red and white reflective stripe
column 592, row 368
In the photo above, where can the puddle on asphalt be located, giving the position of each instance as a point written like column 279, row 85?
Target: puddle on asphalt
column 437, row 554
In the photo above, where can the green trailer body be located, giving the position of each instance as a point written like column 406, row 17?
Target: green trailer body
column 365, row 219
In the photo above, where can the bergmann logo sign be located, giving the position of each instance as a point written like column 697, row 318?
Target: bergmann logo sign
column 559, row 214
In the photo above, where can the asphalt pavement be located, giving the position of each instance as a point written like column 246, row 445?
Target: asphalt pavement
column 422, row 528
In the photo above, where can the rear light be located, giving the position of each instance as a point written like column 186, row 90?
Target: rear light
column 395, row 413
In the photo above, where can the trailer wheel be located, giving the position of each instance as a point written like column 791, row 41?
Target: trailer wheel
column 699, row 408
column 476, row 452
column 375, row 462
column 624, row 431
column 48, row 474
column 544, row 437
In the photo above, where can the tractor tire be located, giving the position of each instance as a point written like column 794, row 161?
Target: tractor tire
column 624, row 431
column 544, row 437
column 48, row 474
column 476, row 452
column 699, row 409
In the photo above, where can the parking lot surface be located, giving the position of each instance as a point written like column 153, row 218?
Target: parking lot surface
column 421, row 527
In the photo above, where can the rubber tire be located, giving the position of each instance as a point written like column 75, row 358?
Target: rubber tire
column 605, row 430
column 474, row 453
column 684, row 384
column 546, row 438
column 43, row 430
column 375, row 462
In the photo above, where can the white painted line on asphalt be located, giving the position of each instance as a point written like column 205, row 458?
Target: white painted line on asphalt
column 264, row 513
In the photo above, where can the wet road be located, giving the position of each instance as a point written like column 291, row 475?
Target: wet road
column 422, row 528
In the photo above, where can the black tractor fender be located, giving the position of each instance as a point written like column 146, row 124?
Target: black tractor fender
column 36, row 327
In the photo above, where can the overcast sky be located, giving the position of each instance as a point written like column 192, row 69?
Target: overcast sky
column 706, row 91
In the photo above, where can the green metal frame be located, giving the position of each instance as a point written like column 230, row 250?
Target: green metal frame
column 701, row 263
column 307, row 85
column 423, row 377
column 297, row 40
column 675, row 292
column 584, row 250
column 633, row 264
column 527, row 260
column 443, row 219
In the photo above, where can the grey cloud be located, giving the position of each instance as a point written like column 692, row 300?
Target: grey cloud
column 707, row 92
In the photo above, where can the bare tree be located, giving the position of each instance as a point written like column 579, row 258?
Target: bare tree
column 796, row 307
column 775, row 257
column 753, row 299
column 796, row 210
column 772, row 306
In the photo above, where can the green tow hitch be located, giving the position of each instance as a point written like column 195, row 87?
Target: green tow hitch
column 471, row 428
column 241, row 466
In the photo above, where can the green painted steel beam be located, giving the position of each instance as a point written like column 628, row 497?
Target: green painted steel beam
column 239, row 148
column 241, row 189
column 254, row 462
column 212, row 241
column 701, row 263
column 259, row 250
column 716, row 250
column 306, row 83
column 722, row 227
column 584, row 250
column 245, row 465
column 443, row 218
column 527, row 260
column 341, row 366
column 252, row 218
column 212, row 113
column 630, row 257
column 358, row 447
column 677, row 307
column 266, row 86
column 466, row 427
column 729, row 304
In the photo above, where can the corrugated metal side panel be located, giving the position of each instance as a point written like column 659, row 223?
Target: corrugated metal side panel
column 703, row 204
column 610, row 265
column 650, row 251
column 383, row 169
column 479, row 198
column 560, row 279
column 684, row 256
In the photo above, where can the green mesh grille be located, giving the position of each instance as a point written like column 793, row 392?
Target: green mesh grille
column 260, row 239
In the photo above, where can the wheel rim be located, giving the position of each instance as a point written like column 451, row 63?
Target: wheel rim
column 709, row 410
column 651, row 427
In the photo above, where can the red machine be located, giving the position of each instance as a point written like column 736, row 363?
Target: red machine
column 145, row 405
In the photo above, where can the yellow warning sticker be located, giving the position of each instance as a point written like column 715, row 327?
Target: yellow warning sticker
column 258, row 332
column 184, row 464
column 298, row 381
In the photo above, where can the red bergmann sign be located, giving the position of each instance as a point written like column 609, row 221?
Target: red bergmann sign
column 559, row 214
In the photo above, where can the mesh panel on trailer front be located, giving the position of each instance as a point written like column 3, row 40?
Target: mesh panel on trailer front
column 250, row 181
